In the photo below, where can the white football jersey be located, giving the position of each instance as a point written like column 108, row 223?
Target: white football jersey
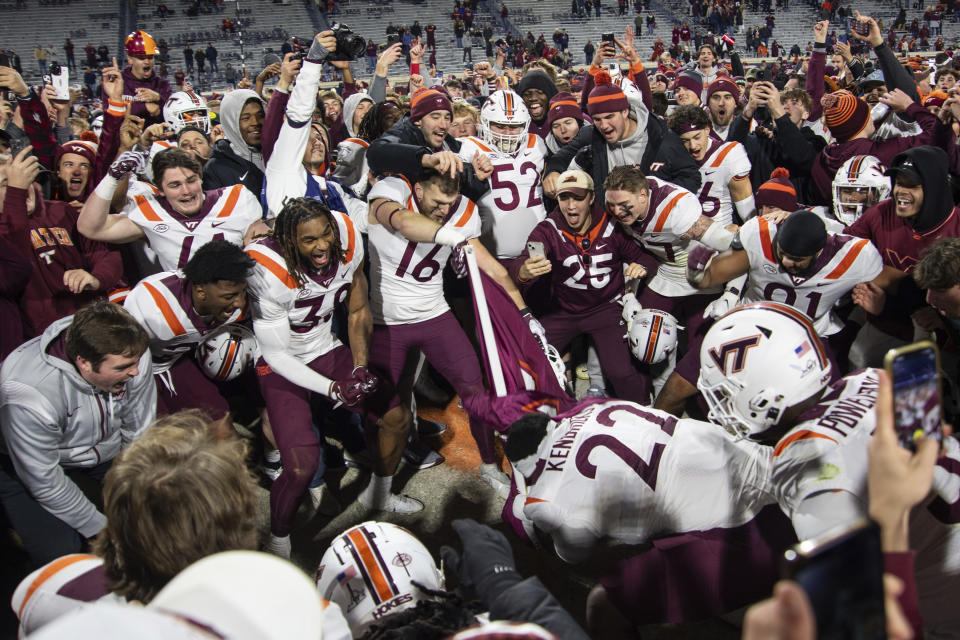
column 406, row 277
column 844, row 262
column 632, row 474
column 163, row 305
column 273, row 292
column 827, row 451
column 673, row 210
column 514, row 204
column 225, row 215
column 725, row 162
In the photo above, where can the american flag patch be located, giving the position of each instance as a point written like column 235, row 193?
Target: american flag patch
column 802, row 349
column 349, row 574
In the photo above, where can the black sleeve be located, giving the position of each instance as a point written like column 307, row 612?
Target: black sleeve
column 739, row 130
column 736, row 64
column 560, row 160
column 387, row 154
column 674, row 164
column 894, row 75
column 856, row 68
column 529, row 601
column 794, row 145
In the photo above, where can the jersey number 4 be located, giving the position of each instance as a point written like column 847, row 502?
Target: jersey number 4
column 646, row 470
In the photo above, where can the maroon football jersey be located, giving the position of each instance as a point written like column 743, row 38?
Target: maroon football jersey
column 587, row 268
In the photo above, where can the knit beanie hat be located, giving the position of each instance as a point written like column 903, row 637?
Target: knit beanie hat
column 426, row 101
column 724, row 84
column 777, row 192
column 606, row 97
column 935, row 99
column 80, row 147
column 690, row 80
column 802, row 234
column 844, row 114
column 563, row 105
column 537, row 79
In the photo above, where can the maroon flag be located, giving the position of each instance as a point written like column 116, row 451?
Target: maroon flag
column 529, row 379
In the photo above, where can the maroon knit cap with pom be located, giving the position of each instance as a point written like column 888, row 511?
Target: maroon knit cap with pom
column 844, row 114
column 606, row 97
column 563, row 105
column 777, row 192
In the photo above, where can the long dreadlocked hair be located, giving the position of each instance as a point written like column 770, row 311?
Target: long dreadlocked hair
column 295, row 212
column 435, row 619
column 377, row 120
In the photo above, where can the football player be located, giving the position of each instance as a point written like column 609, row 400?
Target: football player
column 514, row 203
column 413, row 233
column 764, row 375
column 724, row 167
column 583, row 250
column 860, row 184
column 179, row 219
column 665, row 219
column 178, row 309
column 312, row 262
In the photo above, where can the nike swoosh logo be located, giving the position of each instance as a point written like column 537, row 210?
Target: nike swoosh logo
column 244, row 176
column 217, row 224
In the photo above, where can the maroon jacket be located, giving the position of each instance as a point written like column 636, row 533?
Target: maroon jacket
column 15, row 270
column 57, row 248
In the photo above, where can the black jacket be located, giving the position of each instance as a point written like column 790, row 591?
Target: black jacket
column 225, row 168
column 400, row 150
column 791, row 147
column 664, row 151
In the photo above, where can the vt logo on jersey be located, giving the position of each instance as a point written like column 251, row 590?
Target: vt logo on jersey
column 737, row 348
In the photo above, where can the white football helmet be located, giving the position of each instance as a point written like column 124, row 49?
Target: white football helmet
column 369, row 571
column 757, row 361
column 634, row 97
column 186, row 108
column 96, row 125
column 226, row 354
column 859, row 172
column 652, row 335
column 504, row 107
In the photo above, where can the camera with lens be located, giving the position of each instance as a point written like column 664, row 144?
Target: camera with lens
column 350, row 46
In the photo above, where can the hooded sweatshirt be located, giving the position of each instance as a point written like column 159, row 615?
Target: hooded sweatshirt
column 902, row 240
column 233, row 160
column 350, row 107
column 537, row 79
column 52, row 419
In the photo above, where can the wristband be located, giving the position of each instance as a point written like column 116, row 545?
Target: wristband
column 106, row 188
column 526, row 312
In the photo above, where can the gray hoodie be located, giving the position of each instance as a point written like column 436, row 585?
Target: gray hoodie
column 230, row 108
column 52, row 419
column 350, row 106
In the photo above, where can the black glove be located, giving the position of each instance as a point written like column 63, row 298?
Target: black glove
column 486, row 564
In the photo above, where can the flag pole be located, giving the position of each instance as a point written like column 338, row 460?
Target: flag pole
column 486, row 325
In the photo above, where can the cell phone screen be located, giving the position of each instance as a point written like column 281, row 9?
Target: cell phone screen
column 843, row 578
column 916, row 395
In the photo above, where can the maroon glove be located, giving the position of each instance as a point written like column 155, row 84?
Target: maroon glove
column 367, row 381
column 697, row 261
column 128, row 162
column 347, row 392
column 458, row 259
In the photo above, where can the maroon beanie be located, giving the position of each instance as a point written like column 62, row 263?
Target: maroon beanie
column 80, row 147
column 724, row 84
column 844, row 114
column 691, row 81
column 606, row 97
column 426, row 101
column 563, row 105
column 778, row 192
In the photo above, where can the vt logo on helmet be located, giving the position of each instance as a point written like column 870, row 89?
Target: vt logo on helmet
column 756, row 362
column 504, row 121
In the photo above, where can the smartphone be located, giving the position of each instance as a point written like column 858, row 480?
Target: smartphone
column 669, row 93
column 861, row 28
column 535, row 249
column 607, row 37
column 842, row 574
column 60, row 79
column 915, row 372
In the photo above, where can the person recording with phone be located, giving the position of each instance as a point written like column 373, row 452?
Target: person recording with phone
column 577, row 252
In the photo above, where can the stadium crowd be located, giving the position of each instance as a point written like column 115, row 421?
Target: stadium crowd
column 663, row 292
